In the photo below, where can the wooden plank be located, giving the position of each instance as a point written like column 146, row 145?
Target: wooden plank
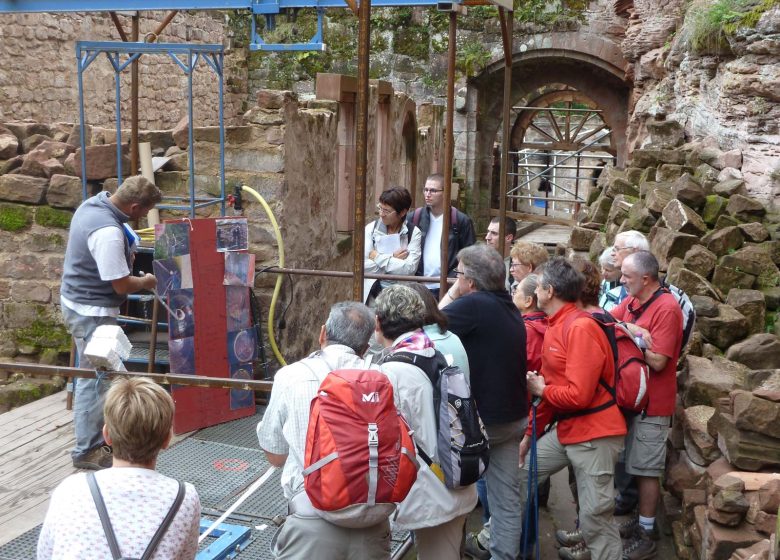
column 22, row 431
column 536, row 218
column 32, row 410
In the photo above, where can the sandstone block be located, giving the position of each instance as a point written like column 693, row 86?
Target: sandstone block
column 724, row 518
column 74, row 138
column 755, row 260
column 21, row 188
column 704, row 306
column 669, row 172
column 710, row 380
column 599, row 211
column 731, row 501
column 101, row 161
column 729, row 173
column 181, row 133
column 728, row 482
column 10, row 165
column 665, row 134
column 36, row 165
column 746, row 450
column 765, row 523
column 622, row 186
column 666, row 244
column 745, row 208
column 769, row 496
column 724, row 221
column 725, row 278
column 755, row 414
column 32, row 142
column 683, row 474
column 724, row 330
column 618, row 210
column 24, row 130
column 581, row 238
column 692, row 497
column 9, row 144
column 758, row 551
column 732, row 158
column 700, row 260
column 681, row 218
column 24, row 292
column 751, row 304
column 714, row 207
column 653, row 158
column 694, row 284
column 656, row 200
column 64, row 191
column 273, row 99
column 706, row 175
column 730, row 187
column 754, row 232
column 639, row 218
column 722, row 241
column 687, row 190
column 701, row 447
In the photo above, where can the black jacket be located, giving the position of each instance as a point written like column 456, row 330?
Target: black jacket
column 461, row 235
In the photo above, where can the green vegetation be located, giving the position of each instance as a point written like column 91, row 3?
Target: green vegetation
column 772, row 319
column 471, row 58
column 712, row 23
column 14, row 218
column 43, row 334
column 51, row 217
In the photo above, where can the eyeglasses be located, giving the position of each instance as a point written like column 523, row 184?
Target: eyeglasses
column 460, row 272
column 432, row 191
column 383, row 211
column 616, row 248
column 516, row 264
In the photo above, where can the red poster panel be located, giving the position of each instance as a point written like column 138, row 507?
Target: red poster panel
column 199, row 407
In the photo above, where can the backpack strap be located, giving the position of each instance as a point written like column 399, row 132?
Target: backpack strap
column 454, row 220
column 105, row 521
column 609, row 332
column 160, row 533
column 100, row 505
column 416, row 216
column 637, row 313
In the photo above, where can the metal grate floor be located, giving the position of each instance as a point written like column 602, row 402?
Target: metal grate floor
column 221, row 462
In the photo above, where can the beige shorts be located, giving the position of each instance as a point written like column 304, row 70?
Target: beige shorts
column 646, row 445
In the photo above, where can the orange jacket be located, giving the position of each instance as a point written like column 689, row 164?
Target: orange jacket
column 576, row 355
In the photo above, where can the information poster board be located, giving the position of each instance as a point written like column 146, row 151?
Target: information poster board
column 204, row 273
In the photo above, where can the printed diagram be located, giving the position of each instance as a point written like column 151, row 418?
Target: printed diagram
column 242, row 346
column 237, row 304
column 171, row 240
column 182, row 355
column 232, row 235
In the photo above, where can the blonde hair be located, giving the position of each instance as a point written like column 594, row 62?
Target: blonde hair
column 139, row 417
column 531, row 254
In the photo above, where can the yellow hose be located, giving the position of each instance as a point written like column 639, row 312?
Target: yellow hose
column 279, row 278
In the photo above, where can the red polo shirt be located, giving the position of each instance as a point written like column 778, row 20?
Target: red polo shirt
column 576, row 354
column 663, row 319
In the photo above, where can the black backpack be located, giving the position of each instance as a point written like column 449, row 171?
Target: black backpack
column 109, row 530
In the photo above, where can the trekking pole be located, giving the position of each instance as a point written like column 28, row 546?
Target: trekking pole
column 532, row 496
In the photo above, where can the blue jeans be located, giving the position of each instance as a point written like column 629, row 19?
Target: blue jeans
column 483, row 499
column 88, row 394
column 505, row 493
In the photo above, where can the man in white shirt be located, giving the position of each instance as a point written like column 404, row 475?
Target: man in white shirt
column 492, row 237
column 430, row 220
column 282, row 435
column 96, row 279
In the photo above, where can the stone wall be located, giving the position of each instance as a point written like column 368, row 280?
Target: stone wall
column 30, row 42
column 286, row 151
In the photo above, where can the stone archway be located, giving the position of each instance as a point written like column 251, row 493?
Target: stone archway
column 581, row 62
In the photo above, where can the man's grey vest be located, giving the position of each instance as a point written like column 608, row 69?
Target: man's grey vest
column 81, row 281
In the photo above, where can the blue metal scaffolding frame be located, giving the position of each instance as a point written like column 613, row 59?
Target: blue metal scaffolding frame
column 187, row 57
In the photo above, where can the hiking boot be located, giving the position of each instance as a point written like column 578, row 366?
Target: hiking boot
column 569, row 538
column 99, row 458
column 579, row 551
column 628, row 529
column 474, row 549
column 640, row 547
column 623, row 507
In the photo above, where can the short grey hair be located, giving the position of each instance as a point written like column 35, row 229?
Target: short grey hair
column 645, row 263
column 350, row 323
column 399, row 309
column 138, row 190
column 566, row 281
column 607, row 258
column 633, row 239
column 484, row 266
column 528, row 285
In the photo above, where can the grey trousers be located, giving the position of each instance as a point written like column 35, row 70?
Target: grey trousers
column 505, row 489
column 313, row 538
column 89, row 394
column 594, row 467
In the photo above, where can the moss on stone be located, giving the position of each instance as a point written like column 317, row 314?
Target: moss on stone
column 43, row 334
column 412, row 41
column 51, row 217
column 13, row 217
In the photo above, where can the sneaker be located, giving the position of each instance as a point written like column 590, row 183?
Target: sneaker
column 474, row 549
column 98, row 458
column 640, row 547
column 628, row 529
column 579, row 551
column 569, row 538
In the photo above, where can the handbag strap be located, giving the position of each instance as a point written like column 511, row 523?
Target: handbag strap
column 100, row 505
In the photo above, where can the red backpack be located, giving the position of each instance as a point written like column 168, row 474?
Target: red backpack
column 632, row 374
column 359, row 460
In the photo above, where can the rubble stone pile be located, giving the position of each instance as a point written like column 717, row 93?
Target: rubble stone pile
column 721, row 246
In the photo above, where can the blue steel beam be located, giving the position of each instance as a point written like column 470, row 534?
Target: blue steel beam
column 256, row 6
